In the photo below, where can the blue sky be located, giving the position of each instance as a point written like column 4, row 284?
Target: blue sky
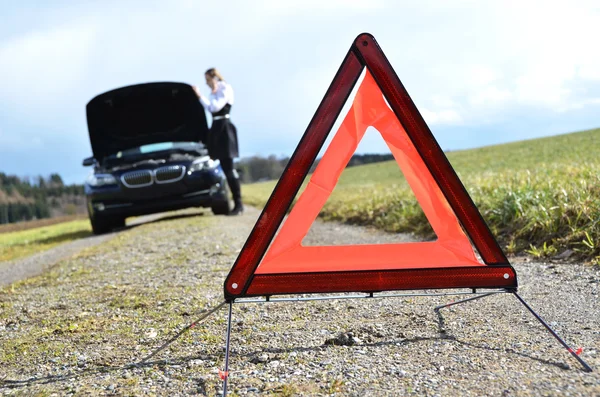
column 480, row 72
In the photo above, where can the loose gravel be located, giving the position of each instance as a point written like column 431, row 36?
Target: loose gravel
column 19, row 269
column 84, row 327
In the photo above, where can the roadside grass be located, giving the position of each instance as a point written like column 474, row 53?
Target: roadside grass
column 14, row 227
column 539, row 197
column 18, row 244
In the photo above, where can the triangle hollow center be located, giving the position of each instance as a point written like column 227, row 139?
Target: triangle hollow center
column 383, row 192
column 452, row 248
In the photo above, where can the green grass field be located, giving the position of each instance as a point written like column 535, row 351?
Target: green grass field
column 540, row 196
column 14, row 245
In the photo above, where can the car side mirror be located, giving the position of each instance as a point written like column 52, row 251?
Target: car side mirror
column 89, row 161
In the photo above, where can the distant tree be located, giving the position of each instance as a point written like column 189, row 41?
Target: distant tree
column 41, row 182
column 56, row 180
column 4, row 213
column 41, row 209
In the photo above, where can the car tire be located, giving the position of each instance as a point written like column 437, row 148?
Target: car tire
column 106, row 225
column 118, row 222
column 221, row 208
column 100, row 225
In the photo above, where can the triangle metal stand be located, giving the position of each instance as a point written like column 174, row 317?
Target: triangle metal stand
column 537, row 316
column 224, row 375
column 478, row 295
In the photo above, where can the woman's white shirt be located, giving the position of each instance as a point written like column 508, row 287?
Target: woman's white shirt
column 217, row 100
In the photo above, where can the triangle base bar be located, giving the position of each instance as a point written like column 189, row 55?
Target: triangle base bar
column 385, row 280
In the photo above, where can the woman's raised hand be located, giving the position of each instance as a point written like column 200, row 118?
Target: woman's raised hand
column 197, row 91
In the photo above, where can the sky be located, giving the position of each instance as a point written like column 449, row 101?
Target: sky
column 480, row 72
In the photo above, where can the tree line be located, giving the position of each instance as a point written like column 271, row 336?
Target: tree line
column 25, row 198
column 259, row 169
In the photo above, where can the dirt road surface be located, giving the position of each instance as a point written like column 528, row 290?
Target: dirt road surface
column 84, row 327
column 34, row 265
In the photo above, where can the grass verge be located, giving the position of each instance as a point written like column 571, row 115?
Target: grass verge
column 18, row 244
column 14, row 227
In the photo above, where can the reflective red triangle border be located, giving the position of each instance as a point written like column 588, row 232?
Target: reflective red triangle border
column 365, row 52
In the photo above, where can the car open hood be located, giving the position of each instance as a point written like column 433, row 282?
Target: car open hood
column 143, row 114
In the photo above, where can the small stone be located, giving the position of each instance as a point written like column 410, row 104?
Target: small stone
column 151, row 333
column 194, row 363
column 262, row 358
column 342, row 339
column 566, row 254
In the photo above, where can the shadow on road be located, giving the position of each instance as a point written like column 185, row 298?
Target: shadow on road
column 157, row 218
column 178, row 361
column 66, row 237
column 149, row 219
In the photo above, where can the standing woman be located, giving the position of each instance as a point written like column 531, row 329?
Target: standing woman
column 222, row 138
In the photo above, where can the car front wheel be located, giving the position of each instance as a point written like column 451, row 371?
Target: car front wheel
column 102, row 225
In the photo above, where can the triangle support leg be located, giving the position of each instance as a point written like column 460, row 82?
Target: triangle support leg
column 437, row 308
column 225, row 375
column 187, row 328
column 562, row 342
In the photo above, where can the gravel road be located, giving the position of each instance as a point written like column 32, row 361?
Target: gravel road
column 83, row 327
column 36, row 264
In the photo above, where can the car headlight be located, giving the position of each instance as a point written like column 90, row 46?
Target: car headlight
column 101, row 180
column 204, row 163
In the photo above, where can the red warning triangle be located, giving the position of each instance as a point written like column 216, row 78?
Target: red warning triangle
column 273, row 265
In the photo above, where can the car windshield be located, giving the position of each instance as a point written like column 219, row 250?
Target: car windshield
column 155, row 147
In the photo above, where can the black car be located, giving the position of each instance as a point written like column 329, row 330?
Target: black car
column 148, row 155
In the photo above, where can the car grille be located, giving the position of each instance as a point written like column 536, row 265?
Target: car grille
column 141, row 178
column 171, row 173
column 137, row 178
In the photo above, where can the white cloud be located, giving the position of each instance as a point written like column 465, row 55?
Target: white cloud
column 549, row 42
column 489, row 96
column 447, row 116
column 480, row 75
column 579, row 104
column 293, row 7
column 442, row 101
column 498, row 54
column 42, row 67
